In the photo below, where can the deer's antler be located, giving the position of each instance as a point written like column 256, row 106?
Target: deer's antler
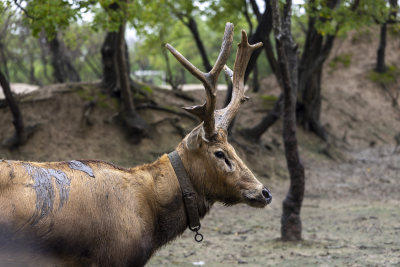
column 223, row 117
column 206, row 112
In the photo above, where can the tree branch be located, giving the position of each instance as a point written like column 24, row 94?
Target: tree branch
column 24, row 10
column 256, row 10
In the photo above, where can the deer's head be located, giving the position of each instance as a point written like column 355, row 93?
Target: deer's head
column 218, row 171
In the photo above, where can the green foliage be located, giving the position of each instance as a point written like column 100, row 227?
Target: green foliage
column 394, row 30
column 85, row 94
column 112, row 13
column 57, row 15
column 155, row 27
column 147, row 89
column 29, row 62
column 157, row 22
column 53, row 16
column 221, row 11
column 387, row 77
column 342, row 59
column 342, row 18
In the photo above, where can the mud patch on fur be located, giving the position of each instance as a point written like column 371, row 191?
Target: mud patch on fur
column 79, row 166
column 45, row 192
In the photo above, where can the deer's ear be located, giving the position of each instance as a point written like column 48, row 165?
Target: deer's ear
column 196, row 137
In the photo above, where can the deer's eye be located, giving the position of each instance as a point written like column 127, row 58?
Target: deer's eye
column 219, row 154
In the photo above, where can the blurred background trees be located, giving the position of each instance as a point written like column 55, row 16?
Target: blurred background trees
column 44, row 42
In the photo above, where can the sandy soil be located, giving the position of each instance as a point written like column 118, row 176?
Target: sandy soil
column 350, row 218
column 20, row 88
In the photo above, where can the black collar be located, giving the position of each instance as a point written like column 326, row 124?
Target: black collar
column 188, row 194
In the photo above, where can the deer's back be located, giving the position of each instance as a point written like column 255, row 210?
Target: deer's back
column 84, row 205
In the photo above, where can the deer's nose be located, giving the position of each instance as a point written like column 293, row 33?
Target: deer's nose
column 267, row 195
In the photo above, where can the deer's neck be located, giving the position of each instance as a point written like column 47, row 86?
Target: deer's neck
column 198, row 177
column 169, row 215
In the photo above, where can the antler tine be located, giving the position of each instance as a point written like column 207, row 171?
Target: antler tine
column 201, row 111
column 228, row 72
column 224, row 52
column 186, row 63
column 224, row 116
column 206, row 111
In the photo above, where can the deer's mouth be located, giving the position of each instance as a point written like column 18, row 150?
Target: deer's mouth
column 258, row 199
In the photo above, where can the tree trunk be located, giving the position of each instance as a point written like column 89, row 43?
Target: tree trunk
column 108, row 56
column 43, row 55
column 123, row 72
column 21, row 135
column 136, row 125
column 116, row 75
column 192, row 25
column 256, row 85
column 316, row 50
column 32, row 77
column 109, row 64
column 3, row 60
column 380, row 59
column 262, row 34
column 309, row 108
column 291, row 226
column 63, row 70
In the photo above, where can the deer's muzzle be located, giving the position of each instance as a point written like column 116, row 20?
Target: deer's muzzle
column 258, row 198
column 267, row 195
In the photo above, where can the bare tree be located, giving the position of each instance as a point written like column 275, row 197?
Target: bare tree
column 316, row 50
column 380, row 53
column 291, row 226
column 63, row 69
column 262, row 34
column 189, row 21
column 22, row 133
column 116, row 71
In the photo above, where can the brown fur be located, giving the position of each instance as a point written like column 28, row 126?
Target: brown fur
column 120, row 216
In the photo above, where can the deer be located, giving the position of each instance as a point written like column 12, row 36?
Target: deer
column 118, row 216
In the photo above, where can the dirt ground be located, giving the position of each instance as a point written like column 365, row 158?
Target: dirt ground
column 350, row 216
column 351, row 210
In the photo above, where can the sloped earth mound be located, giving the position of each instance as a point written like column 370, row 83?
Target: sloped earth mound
column 351, row 208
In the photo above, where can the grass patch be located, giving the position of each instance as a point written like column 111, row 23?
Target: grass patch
column 148, row 89
column 102, row 100
column 343, row 60
column 268, row 100
column 387, row 77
